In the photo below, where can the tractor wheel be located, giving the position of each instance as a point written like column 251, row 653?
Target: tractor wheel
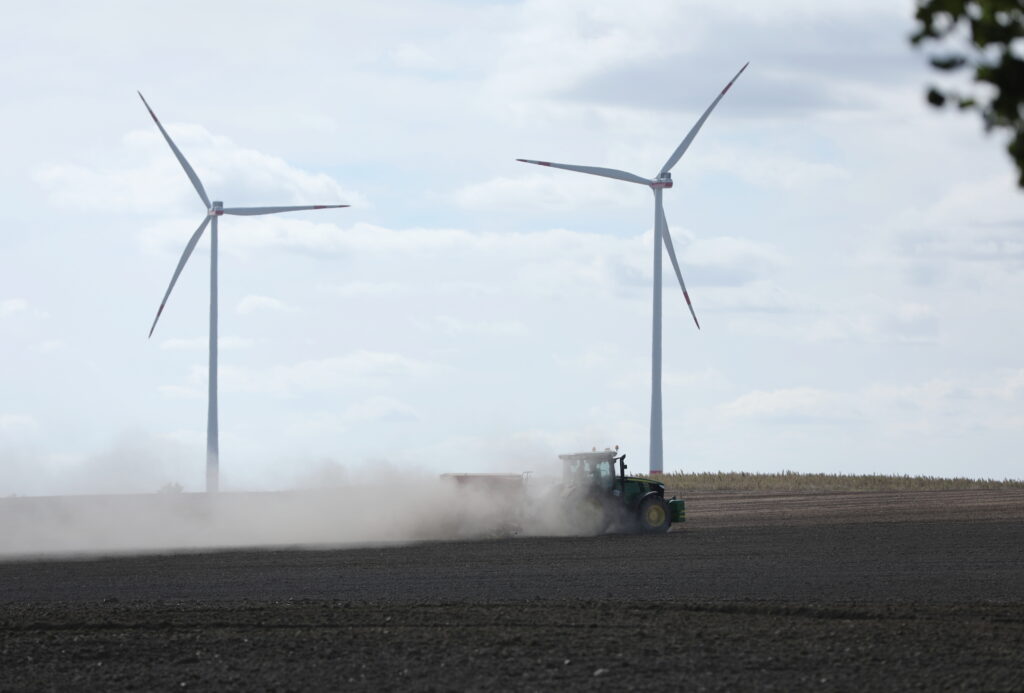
column 653, row 516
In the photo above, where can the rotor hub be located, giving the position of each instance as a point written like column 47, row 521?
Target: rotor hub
column 216, row 209
column 664, row 180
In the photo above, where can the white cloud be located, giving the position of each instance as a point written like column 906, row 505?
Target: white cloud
column 145, row 176
column 994, row 401
column 18, row 424
column 968, row 236
column 377, row 409
column 598, row 356
column 415, row 57
column 554, row 45
column 50, row 346
column 197, row 343
column 494, row 328
column 361, row 289
column 183, row 392
column 724, row 261
column 254, row 304
column 12, row 306
column 1009, row 387
column 768, row 311
column 19, row 307
column 878, row 322
column 788, row 403
column 314, row 375
column 757, row 296
column 768, row 169
column 554, row 260
column 558, row 191
column 637, row 376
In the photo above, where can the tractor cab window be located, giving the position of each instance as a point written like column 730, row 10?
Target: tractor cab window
column 592, row 473
column 604, row 474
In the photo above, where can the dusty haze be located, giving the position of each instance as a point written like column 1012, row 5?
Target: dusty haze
column 418, row 508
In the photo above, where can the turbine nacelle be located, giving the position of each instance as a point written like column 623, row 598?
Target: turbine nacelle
column 664, row 180
column 216, row 209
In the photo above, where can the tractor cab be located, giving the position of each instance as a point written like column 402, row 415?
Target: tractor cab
column 592, row 470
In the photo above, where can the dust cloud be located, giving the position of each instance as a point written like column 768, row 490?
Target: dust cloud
column 417, row 509
column 127, row 499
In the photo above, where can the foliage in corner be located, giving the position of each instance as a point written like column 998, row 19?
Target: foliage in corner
column 985, row 37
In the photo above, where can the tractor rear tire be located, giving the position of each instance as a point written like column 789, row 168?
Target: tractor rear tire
column 654, row 516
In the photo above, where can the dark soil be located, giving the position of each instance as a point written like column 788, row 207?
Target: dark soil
column 758, row 592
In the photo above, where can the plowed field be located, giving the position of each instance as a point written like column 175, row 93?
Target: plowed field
column 870, row 591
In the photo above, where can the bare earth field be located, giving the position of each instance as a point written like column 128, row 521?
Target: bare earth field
column 831, row 591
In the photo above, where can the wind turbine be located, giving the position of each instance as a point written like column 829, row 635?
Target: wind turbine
column 214, row 210
column 661, row 235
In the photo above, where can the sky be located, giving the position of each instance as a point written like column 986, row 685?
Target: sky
column 853, row 254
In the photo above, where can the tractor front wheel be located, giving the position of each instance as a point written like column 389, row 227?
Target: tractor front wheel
column 653, row 516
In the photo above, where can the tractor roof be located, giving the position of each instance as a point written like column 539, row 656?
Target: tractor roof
column 595, row 456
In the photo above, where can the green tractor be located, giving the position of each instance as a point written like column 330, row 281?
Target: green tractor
column 596, row 499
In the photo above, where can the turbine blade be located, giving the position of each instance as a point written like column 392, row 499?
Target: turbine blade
column 594, row 170
column 196, row 183
column 685, row 144
column 667, row 237
column 252, row 211
column 189, row 247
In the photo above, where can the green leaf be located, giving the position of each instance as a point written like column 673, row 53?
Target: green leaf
column 935, row 97
column 949, row 62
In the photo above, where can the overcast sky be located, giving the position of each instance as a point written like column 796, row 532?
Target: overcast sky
column 854, row 256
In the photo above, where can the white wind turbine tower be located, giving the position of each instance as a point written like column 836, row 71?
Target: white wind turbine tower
column 214, row 210
column 661, row 235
